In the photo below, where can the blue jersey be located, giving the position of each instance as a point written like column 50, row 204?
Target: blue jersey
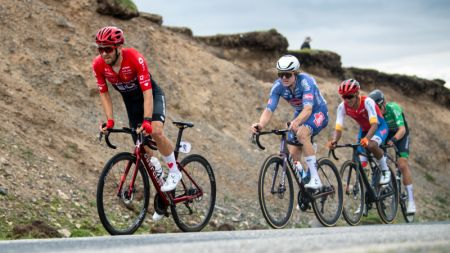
column 305, row 93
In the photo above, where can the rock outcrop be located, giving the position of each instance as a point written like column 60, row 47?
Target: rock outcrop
column 408, row 85
column 269, row 40
column 122, row 9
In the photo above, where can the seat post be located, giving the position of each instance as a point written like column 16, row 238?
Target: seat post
column 177, row 145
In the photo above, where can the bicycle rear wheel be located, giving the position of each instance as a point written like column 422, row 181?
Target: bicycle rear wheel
column 193, row 215
column 403, row 200
column 275, row 192
column 354, row 196
column 122, row 211
column 328, row 207
column 388, row 204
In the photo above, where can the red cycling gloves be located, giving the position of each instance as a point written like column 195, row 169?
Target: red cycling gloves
column 147, row 126
column 110, row 124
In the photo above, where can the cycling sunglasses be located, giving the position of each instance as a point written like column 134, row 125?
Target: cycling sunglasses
column 286, row 74
column 348, row 97
column 107, row 50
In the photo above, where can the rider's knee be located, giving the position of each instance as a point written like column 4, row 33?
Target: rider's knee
column 403, row 164
column 157, row 132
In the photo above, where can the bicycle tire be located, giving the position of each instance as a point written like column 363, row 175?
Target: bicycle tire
column 119, row 214
column 194, row 215
column 268, row 199
column 328, row 208
column 354, row 193
column 383, row 204
column 403, row 198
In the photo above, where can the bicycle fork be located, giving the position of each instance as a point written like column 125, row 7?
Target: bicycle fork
column 282, row 184
column 127, row 195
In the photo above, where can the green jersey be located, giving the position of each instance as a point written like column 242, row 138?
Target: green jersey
column 394, row 117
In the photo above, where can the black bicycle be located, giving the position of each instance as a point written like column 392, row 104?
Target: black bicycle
column 123, row 188
column 402, row 192
column 360, row 193
column 276, row 190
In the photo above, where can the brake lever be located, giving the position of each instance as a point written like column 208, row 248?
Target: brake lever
column 100, row 136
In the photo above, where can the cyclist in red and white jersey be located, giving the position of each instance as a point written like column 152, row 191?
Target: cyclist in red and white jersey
column 373, row 128
column 125, row 69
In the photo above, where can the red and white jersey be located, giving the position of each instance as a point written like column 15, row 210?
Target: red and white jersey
column 132, row 76
column 366, row 114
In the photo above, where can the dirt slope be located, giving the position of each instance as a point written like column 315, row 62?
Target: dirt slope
column 49, row 157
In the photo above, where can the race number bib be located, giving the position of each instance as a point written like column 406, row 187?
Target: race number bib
column 185, row 147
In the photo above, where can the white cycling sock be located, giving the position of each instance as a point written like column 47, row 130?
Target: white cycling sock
column 171, row 163
column 383, row 164
column 409, row 188
column 311, row 162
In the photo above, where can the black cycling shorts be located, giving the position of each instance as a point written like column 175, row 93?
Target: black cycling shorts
column 135, row 106
column 402, row 144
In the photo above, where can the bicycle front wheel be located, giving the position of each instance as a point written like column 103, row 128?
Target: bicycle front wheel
column 122, row 207
column 327, row 204
column 276, row 192
column 387, row 204
column 193, row 215
column 354, row 196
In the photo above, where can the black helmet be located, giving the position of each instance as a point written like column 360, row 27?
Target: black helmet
column 377, row 96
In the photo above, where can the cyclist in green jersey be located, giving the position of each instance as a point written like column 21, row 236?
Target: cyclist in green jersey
column 398, row 136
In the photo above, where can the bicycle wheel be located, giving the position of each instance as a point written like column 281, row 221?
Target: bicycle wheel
column 354, row 196
column 327, row 203
column 193, row 215
column 403, row 200
column 275, row 192
column 388, row 204
column 120, row 212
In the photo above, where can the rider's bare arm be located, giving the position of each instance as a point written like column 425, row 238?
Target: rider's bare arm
column 148, row 103
column 105, row 98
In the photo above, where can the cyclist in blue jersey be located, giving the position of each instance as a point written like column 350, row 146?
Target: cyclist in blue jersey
column 310, row 117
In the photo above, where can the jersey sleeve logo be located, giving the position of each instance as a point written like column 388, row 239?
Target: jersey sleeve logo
column 305, row 85
column 308, row 96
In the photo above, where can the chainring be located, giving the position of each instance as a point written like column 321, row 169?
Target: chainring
column 159, row 205
column 303, row 202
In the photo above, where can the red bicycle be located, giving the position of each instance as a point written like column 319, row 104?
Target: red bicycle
column 123, row 189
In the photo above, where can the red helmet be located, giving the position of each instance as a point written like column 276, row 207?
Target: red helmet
column 109, row 35
column 349, row 86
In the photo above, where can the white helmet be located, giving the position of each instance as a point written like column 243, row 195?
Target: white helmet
column 288, row 63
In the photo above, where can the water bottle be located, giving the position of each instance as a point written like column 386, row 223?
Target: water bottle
column 158, row 169
column 363, row 160
column 299, row 172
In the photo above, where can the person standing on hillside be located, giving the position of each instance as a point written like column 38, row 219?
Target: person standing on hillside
column 373, row 129
column 398, row 136
column 306, row 44
column 126, row 70
column 310, row 116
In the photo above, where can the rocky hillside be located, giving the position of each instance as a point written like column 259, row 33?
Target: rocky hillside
column 49, row 157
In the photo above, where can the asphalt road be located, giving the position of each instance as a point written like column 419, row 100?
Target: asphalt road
column 421, row 237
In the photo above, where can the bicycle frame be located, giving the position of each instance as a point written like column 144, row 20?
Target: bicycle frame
column 285, row 155
column 375, row 170
column 139, row 151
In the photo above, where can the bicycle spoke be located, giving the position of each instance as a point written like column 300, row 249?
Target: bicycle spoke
column 353, row 194
column 276, row 192
column 194, row 214
column 327, row 203
column 388, row 203
column 122, row 212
